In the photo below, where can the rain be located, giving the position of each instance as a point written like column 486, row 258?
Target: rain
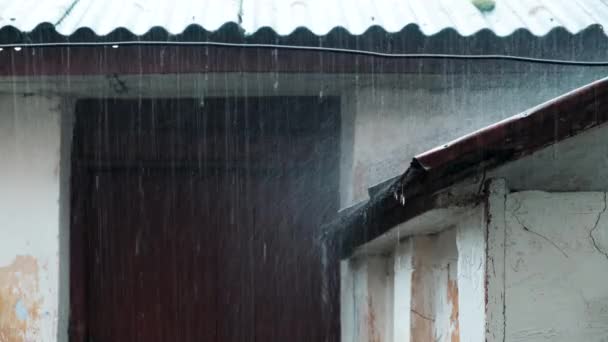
column 303, row 171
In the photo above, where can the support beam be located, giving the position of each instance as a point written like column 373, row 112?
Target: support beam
column 494, row 215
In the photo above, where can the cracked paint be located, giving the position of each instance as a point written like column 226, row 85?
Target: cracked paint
column 568, row 294
column 596, row 245
column 527, row 229
column 19, row 302
column 422, row 324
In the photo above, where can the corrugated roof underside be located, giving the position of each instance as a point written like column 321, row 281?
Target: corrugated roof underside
column 319, row 16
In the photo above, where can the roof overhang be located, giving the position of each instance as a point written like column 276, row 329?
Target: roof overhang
column 422, row 187
column 57, row 37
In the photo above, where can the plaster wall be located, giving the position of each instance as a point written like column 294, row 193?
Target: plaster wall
column 556, row 267
column 532, row 267
column 386, row 120
column 578, row 163
column 434, row 291
column 408, row 294
column 525, row 266
column 366, row 299
column 33, row 255
column 386, row 124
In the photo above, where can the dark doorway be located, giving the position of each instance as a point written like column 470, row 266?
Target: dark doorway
column 197, row 221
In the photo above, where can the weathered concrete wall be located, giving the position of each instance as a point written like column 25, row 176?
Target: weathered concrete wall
column 556, row 267
column 434, row 291
column 386, row 118
column 32, row 274
column 523, row 267
column 534, row 268
column 575, row 164
column 408, row 294
column 389, row 122
column 366, row 299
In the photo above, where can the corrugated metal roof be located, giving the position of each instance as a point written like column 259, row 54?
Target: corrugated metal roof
column 319, row 16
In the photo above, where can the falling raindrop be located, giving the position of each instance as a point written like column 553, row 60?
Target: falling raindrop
column 265, row 251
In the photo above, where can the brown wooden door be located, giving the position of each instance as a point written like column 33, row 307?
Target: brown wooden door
column 197, row 221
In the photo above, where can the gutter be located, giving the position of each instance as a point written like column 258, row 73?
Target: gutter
column 415, row 191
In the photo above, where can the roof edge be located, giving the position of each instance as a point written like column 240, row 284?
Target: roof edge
column 55, row 27
column 415, row 191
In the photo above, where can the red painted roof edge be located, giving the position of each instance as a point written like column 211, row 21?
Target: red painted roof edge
column 413, row 192
column 548, row 123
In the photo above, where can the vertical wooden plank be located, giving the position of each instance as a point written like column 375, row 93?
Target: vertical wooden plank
column 434, row 298
column 481, row 268
column 423, row 309
column 403, row 259
column 367, row 308
column 495, row 272
column 453, row 301
column 471, row 244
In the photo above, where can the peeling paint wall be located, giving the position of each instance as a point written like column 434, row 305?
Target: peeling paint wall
column 19, row 300
column 434, row 292
column 30, row 178
column 367, row 297
column 533, row 266
column 409, row 294
column 556, row 263
column 525, row 266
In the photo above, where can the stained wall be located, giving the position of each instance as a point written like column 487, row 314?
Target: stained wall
column 33, row 267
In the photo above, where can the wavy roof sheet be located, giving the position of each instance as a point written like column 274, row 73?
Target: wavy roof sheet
column 319, row 16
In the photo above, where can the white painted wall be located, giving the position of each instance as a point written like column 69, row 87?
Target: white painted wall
column 386, row 118
column 556, row 267
column 30, row 214
column 575, row 164
column 389, row 121
column 529, row 266
column 402, row 290
column 471, row 243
